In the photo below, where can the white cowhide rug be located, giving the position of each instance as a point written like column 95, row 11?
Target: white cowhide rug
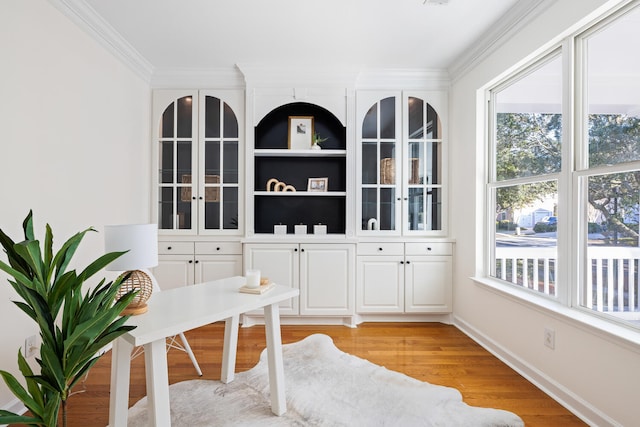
column 324, row 387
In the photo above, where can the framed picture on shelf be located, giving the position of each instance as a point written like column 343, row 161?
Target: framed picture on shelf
column 318, row 184
column 300, row 132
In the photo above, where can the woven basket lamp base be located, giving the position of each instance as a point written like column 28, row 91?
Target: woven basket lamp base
column 134, row 311
column 140, row 281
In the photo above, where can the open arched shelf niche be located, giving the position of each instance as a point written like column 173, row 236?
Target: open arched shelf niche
column 272, row 131
column 273, row 160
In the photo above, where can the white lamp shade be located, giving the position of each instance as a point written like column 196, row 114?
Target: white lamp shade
column 141, row 240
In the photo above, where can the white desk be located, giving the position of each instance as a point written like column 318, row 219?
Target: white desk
column 182, row 309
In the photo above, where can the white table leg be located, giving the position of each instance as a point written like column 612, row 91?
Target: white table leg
column 156, row 371
column 120, row 374
column 229, row 349
column 274, row 356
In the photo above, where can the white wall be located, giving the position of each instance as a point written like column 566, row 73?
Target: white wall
column 595, row 374
column 74, row 143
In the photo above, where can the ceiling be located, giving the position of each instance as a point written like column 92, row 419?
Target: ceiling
column 218, row 34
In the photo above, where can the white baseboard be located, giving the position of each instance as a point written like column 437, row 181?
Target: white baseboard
column 353, row 321
column 574, row 403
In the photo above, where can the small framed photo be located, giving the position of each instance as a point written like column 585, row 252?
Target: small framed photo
column 318, row 184
column 300, row 132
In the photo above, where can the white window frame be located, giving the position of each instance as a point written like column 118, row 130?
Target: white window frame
column 571, row 240
column 492, row 184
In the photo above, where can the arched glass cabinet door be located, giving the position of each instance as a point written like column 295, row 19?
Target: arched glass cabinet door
column 401, row 161
column 219, row 160
column 423, row 167
column 198, row 166
column 176, row 155
column 379, row 164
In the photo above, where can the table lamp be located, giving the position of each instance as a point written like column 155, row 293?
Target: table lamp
column 141, row 242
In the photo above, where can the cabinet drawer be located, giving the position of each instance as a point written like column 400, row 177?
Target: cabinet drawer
column 218, row 248
column 169, row 248
column 380, row 249
column 428, row 248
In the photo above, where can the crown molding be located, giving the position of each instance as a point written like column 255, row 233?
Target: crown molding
column 85, row 17
column 403, row 78
column 298, row 75
column 521, row 14
column 185, row 77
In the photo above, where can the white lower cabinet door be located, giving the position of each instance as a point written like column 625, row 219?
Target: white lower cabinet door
column 380, row 284
column 280, row 263
column 214, row 267
column 327, row 278
column 174, row 271
column 428, row 284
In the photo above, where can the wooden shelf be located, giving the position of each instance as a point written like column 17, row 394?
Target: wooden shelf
column 298, row 153
column 301, row 193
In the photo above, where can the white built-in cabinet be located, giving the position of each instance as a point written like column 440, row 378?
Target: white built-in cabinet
column 185, row 263
column 324, row 273
column 404, row 277
column 216, row 154
column 198, row 148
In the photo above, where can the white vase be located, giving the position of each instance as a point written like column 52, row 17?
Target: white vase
column 315, row 147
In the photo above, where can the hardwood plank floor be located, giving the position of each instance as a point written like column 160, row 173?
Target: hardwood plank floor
column 433, row 352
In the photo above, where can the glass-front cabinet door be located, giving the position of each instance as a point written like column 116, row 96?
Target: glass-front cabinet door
column 380, row 157
column 177, row 155
column 219, row 161
column 198, row 150
column 422, row 167
column 401, row 157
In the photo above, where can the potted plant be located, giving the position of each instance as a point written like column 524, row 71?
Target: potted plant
column 74, row 327
column 317, row 140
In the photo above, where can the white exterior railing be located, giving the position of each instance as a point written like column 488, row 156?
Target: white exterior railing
column 614, row 278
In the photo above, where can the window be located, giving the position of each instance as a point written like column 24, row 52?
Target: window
column 526, row 154
column 571, row 194
column 610, row 167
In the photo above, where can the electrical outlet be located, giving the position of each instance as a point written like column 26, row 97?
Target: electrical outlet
column 30, row 346
column 550, row 338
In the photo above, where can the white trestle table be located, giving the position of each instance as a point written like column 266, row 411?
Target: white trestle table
column 182, row 309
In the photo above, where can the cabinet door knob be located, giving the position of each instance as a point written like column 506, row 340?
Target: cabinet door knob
column 295, row 250
column 380, row 249
column 302, row 250
column 168, row 248
column 218, row 248
column 190, row 261
column 197, row 261
column 200, row 197
column 193, row 198
column 401, row 262
column 428, row 248
column 408, row 262
column 399, row 199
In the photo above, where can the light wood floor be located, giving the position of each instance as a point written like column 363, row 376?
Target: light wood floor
column 439, row 354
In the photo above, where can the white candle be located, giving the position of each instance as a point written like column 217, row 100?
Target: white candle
column 253, row 278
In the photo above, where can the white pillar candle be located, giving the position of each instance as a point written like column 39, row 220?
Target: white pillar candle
column 253, row 278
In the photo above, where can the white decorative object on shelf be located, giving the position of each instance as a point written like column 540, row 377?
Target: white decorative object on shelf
column 279, row 229
column 300, row 229
column 319, row 229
